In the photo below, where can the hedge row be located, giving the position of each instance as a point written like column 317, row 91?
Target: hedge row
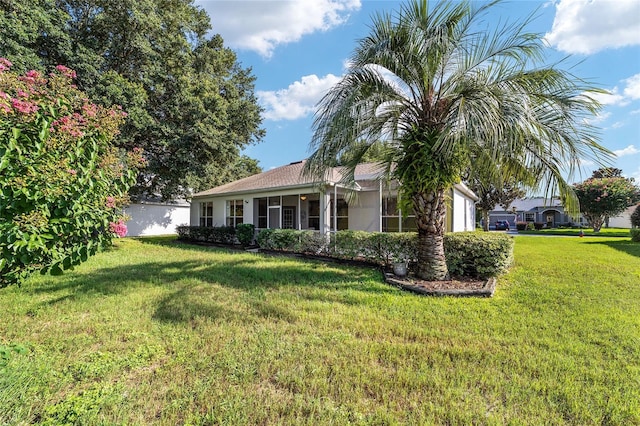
column 468, row 253
column 207, row 234
column 635, row 235
column 477, row 254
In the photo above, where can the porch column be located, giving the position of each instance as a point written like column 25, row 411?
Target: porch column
column 325, row 212
column 299, row 221
column 335, row 208
column 380, row 210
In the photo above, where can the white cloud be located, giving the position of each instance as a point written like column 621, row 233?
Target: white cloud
column 599, row 118
column 298, row 100
column 631, row 92
column 633, row 87
column 586, row 163
column 636, row 111
column 612, row 97
column 587, row 27
column 261, row 25
column 636, row 175
column 630, row 150
column 617, row 125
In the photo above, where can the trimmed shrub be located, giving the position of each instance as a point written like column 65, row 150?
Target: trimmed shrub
column 468, row 253
column 635, row 235
column 521, row 226
column 312, row 242
column 207, row 234
column 245, row 233
column 478, row 254
column 538, row 225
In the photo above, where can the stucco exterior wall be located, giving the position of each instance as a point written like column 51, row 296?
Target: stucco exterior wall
column 464, row 216
column 155, row 219
column 364, row 210
column 622, row 221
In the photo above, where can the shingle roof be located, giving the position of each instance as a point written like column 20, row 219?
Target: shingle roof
column 286, row 176
column 291, row 176
column 528, row 204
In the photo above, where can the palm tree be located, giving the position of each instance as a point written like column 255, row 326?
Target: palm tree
column 443, row 89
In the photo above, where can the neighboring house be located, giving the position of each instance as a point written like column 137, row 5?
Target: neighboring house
column 151, row 216
column 536, row 209
column 624, row 220
column 549, row 212
column 283, row 198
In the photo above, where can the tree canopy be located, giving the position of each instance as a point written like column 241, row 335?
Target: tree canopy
column 190, row 104
column 601, row 198
column 442, row 88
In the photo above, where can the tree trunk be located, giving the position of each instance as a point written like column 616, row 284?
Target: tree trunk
column 430, row 209
column 594, row 220
column 485, row 221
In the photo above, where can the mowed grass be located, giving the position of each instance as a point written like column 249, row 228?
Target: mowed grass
column 588, row 232
column 155, row 332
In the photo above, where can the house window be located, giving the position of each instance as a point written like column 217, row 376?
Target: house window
column 206, row 213
column 392, row 220
column 262, row 212
column 235, row 212
column 314, row 214
column 529, row 217
column 390, row 215
column 342, row 214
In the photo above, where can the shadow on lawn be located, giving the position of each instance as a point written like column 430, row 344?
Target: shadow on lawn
column 626, row 246
column 192, row 285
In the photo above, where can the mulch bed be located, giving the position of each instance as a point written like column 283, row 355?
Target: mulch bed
column 456, row 286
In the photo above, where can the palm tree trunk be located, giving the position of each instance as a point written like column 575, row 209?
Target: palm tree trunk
column 430, row 209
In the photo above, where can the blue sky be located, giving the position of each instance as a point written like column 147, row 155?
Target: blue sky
column 298, row 49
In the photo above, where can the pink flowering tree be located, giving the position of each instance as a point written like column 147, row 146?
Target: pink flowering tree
column 601, row 198
column 62, row 182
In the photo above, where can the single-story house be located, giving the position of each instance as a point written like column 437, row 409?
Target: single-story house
column 284, row 198
column 548, row 211
column 152, row 216
column 535, row 209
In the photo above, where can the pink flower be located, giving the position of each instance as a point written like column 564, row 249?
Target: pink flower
column 71, row 125
column 68, row 72
column 24, row 107
column 72, row 172
column 5, row 64
column 111, row 202
column 32, row 77
column 90, row 110
column 118, row 228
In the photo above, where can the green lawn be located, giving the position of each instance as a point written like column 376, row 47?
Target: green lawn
column 588, row 232
column 153, row 332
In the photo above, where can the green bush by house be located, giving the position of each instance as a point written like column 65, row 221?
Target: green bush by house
column 207, row 234
column 468, row 253
column 635, row 235
column 245, row 233
column 478, row 254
